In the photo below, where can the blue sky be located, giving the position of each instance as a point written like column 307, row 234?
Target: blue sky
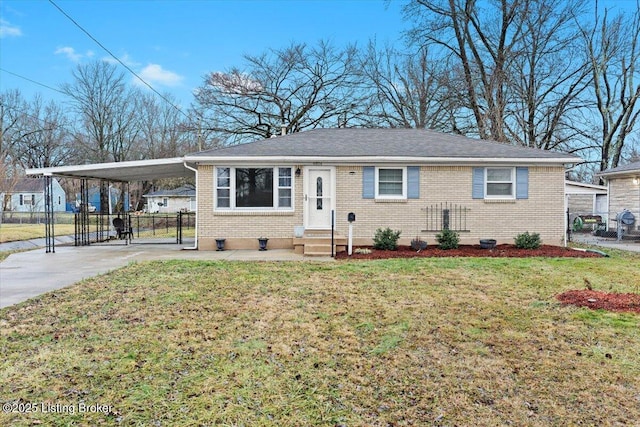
column 172, row 44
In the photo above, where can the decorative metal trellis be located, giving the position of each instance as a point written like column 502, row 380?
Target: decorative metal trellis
column 446, row 216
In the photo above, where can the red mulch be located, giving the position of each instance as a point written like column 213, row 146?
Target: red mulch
column 601, row 300
column 472, row 251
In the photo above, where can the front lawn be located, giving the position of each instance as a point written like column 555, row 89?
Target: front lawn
column 451, row 341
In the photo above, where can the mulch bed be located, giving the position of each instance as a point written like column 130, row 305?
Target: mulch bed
column 601, row 300
column 472, row 251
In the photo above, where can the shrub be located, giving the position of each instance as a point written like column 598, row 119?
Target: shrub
column 418, row 244
column 448, row 239
column 528, row 240
column 386, row 239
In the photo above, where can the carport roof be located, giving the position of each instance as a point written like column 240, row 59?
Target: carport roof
column 137, row 170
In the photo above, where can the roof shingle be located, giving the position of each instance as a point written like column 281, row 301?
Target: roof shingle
column 419, row 143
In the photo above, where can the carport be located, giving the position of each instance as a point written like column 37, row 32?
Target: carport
column 115, row 172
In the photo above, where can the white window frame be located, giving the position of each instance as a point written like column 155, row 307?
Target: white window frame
column 391, row 196
column 232, row 189
column 512, row 182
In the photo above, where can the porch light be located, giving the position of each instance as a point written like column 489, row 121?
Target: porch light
column 297, row 171
column 636, row 180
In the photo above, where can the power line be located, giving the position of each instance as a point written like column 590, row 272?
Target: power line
column 117, row 59
column 32, row 81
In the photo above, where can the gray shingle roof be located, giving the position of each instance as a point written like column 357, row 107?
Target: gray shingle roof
column 22, row 185
column 620, row 170
column 419, row 143
column 184, row 191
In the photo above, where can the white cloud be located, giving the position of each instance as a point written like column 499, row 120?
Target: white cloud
column 8, row 30
column 125, row 59
column 70, row 53
column 154, row 73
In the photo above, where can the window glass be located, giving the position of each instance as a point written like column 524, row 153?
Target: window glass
column 224, row 188
column 284, row 197
column 224, row 177
column 254, row 187
column 319, row 193
column 284, row 177
column 500, row 182
column 224, row 199
column 390, row 182
column 284, row 187
column 499, row 189
column 499, row 174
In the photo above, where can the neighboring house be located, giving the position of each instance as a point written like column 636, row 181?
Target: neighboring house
column 27, row 195
column 623, row 184
column 171, row 201
column 416, row 181
column 95, row 204
column 587, row 199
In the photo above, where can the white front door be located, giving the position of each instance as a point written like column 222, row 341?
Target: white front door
column 319, row 197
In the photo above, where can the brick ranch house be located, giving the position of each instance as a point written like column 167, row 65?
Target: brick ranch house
column 416, row 181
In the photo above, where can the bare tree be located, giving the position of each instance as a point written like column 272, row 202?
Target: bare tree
column 33, row 134
column 163, row 132
column 410, row 89
column 297, row 87
column 613, row 50
column 46, row 141
column 105, row 109
column 506, row 56
column 547, row 76
column 12, row 118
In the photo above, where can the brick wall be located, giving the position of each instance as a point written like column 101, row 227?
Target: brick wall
column 623, row 194
column 581, row 203
column 543, row 212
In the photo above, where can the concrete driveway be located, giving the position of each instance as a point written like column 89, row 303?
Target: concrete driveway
column 589, row 239
column 25, row 275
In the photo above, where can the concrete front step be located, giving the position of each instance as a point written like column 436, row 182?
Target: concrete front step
column 318, row 244
column 317, row 250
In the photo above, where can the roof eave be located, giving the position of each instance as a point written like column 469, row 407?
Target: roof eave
column 378, row 160
column 619, row 174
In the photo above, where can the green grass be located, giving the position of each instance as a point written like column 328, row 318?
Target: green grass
column 392, row 342
column 16, row 232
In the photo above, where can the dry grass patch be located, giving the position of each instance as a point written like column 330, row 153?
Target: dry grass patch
column 394, row 342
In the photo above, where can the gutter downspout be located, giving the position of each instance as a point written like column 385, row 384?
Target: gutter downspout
column 195, row 245
column 565, row 239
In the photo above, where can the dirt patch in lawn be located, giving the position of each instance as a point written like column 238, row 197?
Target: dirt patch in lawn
column 471, row 251
column 601, row 300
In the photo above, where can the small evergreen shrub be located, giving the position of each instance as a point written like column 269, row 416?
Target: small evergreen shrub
column 528, row 240
column 386, row 239
column 448, row 239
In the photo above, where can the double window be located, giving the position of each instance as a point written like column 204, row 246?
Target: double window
column 254, row 188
